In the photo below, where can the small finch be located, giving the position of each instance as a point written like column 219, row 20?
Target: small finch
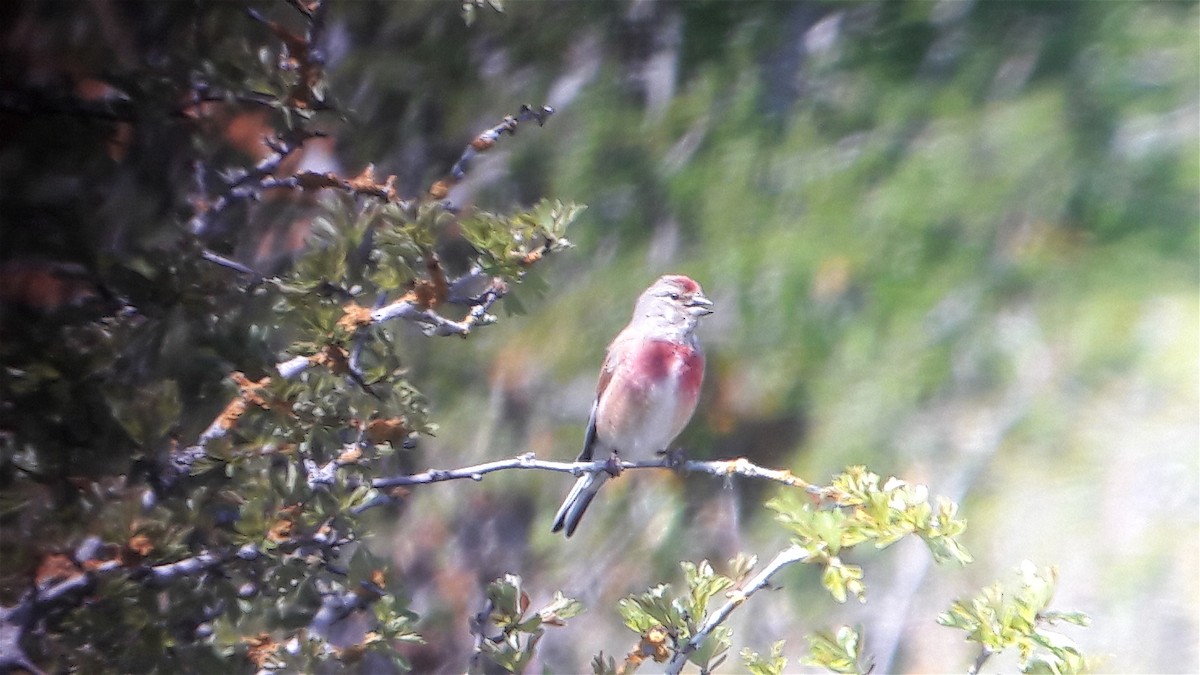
column 648, row 386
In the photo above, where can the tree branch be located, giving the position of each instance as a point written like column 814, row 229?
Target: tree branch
column 788, row 556
column 985, row 653
column 433, row 323
column 484, row 141
column 726, row 468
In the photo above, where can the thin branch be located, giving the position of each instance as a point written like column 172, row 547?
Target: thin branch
column 725, row 468
column 788, row 556
column 15, row 621
column 186, row 567
column 430, row 321
column 739, row 466
column 249, row 183
column 228, row 262
column 433, row 323
column 985, row 653
column 337, row 606
column 486, row 140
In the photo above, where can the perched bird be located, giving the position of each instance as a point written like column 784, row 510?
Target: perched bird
column 648, row 386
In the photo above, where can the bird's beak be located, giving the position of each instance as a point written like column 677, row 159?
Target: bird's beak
column 700, row 305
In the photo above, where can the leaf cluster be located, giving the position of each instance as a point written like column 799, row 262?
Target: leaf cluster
column 838, row 651
column 665, row 621
column 508, row 633
column 234, row 542
column 856, row 508
column 1017, row 615
column 771, row 664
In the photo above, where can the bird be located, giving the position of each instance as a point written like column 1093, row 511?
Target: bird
column 648, row 386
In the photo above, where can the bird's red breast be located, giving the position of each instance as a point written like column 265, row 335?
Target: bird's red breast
column 650, row 394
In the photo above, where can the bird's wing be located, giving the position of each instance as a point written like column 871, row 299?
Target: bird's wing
column 606, row 375
column 589, row 438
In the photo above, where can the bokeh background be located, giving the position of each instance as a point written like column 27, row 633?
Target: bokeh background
column 953, row 241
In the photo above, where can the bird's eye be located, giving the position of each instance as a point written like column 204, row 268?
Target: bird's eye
column 673, row 296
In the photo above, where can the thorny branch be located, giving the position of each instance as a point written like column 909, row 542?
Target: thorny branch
column 40, row 602
column 249, row 184
column 14, row 621
column 431, row 323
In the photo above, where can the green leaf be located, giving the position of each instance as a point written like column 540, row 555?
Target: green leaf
column 712, row 648
column 1001, row 617
column 774, row 664
column 560, row 609
column 841, row 579
column 837, row 651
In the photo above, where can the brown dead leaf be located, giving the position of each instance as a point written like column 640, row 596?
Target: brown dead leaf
column 139, row 545
column 425, row 294
column 231, row 414
column 333, row 357
column 261, row 648
column 439, row 190
column 45, row 286
column 437, row 279
column 281, row 530
column 251, row 390
column 393, row 430
column 55, row 568
column 311, row 180
column 532, row 257
column 655, row 644
column 484, row 142
column 365, row 183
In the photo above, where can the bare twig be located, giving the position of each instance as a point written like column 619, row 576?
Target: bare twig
column 187, row 567
column 433, row 323
column 227, row 262
column 484, row 141
column 337, row 606
column 790, row 555
column 249, row 183
column 985, row 653
column 725, row 468
column 731, row 467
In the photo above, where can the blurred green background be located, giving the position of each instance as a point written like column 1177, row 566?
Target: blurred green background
column 954, row 241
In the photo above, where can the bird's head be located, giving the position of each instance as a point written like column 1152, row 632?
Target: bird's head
column 675, row 300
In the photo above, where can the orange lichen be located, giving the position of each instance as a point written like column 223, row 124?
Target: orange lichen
column 354, row 317
column 261, row 648
column 333, row 357
column 439, row 190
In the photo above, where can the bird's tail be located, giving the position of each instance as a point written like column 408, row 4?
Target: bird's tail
column 577, row 501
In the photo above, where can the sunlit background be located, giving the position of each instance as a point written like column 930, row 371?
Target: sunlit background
column 953, row 241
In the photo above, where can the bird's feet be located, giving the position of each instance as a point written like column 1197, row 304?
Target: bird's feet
column 613, row 465
column 674, row 456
